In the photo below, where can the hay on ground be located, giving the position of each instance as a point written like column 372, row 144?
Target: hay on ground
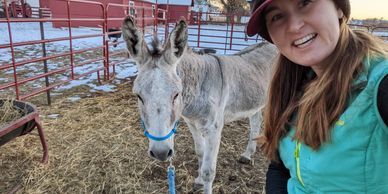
column 96, row 145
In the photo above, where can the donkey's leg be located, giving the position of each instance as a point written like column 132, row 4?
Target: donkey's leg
column 199, row 143
column 212, row 145
column 255, row 125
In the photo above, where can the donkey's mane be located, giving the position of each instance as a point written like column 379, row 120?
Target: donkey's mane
column 250, row 48
column 156, row 47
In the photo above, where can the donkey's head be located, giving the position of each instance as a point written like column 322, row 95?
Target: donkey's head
column 158, row 85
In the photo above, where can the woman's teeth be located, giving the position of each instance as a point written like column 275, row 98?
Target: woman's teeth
column 304, row 40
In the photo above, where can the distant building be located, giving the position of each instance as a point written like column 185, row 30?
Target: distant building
column 142, row 10
column 176, row 9
column 85, row 11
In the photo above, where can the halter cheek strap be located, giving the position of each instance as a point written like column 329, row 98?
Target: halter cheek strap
column 155, row 138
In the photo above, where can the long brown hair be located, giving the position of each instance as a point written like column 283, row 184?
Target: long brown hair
column 317, row 101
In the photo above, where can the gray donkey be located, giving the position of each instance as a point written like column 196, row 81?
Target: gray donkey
column 206, row 90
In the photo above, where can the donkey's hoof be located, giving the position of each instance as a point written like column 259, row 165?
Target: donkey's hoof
column 244, row 160
column 197, row 187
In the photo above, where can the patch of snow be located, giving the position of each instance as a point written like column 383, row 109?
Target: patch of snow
column 105, row 87
column 74, row 98
column 53, row 116
column 73, row 83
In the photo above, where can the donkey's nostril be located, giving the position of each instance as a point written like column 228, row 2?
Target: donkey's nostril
column 170, row 152
column 152, row 154
column 161, row 155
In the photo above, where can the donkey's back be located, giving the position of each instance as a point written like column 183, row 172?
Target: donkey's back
column 245, row 77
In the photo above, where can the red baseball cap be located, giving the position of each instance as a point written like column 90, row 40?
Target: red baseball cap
column 256, row 24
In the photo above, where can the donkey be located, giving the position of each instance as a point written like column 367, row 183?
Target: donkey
column 205, row 90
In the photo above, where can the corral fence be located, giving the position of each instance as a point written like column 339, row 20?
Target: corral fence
column 380, row 31
column 29, row 67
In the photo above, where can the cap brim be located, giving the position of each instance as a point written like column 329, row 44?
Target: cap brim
column 255, row 23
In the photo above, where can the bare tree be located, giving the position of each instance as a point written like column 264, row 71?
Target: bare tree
column 200, row 2
column 239, row 7
column 375, row 22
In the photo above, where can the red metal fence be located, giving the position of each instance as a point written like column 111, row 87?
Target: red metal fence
column 66, row 72
column 23, row 75
column 46, row 73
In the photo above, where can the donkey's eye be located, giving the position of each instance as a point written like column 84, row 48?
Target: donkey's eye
column 141, row 99
column 176, row 96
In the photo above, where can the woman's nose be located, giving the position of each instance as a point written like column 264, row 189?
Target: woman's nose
column 295, row 22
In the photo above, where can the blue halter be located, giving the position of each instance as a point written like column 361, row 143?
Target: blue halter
column 147, row 134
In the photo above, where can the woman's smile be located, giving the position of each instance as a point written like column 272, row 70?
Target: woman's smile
column 305, row 41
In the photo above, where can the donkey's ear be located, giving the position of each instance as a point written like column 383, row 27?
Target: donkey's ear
column 177, row 41
column 135, row 41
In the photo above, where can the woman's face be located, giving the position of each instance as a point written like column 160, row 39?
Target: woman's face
column 305, row 31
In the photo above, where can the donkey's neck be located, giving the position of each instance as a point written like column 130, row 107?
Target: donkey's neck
column 199, row 73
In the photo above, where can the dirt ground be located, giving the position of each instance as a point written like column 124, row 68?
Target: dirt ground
column 96, row 145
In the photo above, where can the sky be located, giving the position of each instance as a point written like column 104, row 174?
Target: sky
column 362, row 9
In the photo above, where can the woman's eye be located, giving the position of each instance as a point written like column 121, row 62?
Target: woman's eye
column 304, row 3
column 138, row 96
column 273, row 17
column 276, row 17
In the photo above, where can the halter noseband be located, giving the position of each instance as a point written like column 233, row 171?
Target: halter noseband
column 155, row 138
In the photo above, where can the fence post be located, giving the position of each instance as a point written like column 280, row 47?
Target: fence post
column 70, row 40
column 199, row 27
column 231, row 33
column 156, row 19
column 226, row 32
column 107, row 61
column 166, row 30
column 7, row 15
column 105, row 50
column 44, row 55
column 142, row 20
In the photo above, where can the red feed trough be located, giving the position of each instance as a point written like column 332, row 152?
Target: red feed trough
column 23, row 125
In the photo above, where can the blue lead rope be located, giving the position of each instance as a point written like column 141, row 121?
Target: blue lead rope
column 147, row 134
column 170, row 168
column 171, row 178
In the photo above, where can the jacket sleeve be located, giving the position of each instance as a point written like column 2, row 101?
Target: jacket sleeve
column 276, row 178
column 382, row 104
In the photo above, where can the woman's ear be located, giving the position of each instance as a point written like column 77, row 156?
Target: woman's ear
column 340, row 13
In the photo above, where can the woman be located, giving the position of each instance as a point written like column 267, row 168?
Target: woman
column 325, row 123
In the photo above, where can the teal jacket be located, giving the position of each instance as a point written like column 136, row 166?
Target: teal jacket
column 356, row 158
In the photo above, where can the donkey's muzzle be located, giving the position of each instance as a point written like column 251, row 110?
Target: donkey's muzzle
column 161, row 155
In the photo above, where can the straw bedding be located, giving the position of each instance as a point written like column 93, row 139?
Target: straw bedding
column 9, row 113
column 96, row 145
